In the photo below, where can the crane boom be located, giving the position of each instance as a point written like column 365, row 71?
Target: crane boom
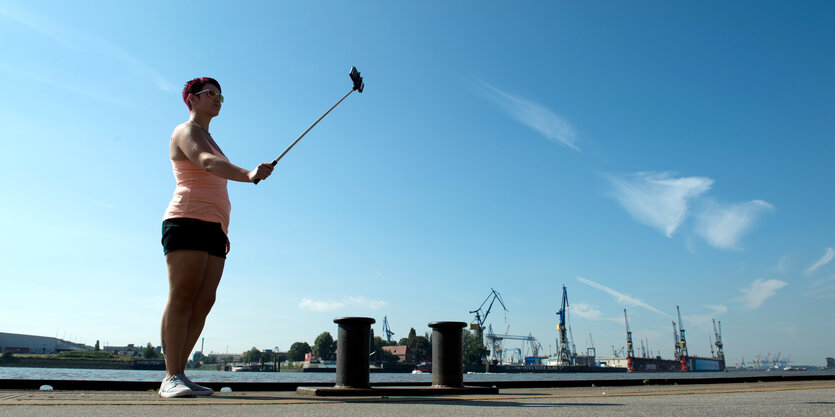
column 677, row 342
column 629, row 351
column 496, row 343
column 535, row 346
column 681, row 330
column 718, row 333
column 387, row 329
column 481, row 314
column 563, row 343
column 710, row 344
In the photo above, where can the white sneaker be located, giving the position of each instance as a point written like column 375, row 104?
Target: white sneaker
column 196, row 388
column 175, row 387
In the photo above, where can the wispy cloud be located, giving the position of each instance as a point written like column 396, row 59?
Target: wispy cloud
column 313, row 305
column 784, row 263
column 718, row 309
column 535, row 116
column 89, row 92
column 308, row 304
column 759, row 291
column 703, row 322
column 824, row 288
column 621, row 298
column 827, row 257
column 585, row 311
column 723, row 226
column 30, row 21
column 658, row 200
column 100, row 50
column 589, row 312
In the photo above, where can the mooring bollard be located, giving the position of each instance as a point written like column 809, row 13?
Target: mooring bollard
column 447, row 354
column 352, row 363
column 352, row 350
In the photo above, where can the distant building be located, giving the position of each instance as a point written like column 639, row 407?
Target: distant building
column 611, row 361
column 130, row 350
column 24, row 343
column 402, row 352
column 226, row 357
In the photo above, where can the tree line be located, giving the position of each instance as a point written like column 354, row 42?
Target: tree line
column 324, row 348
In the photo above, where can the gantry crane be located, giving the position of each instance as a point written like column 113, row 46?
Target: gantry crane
column 535, row 346
column 677, row 342
column 591, row 351
column 565, row 352
column 710, row 344
column 681, row 330
column 387, row 329
column 481, row 314
column 718, row 333
column 630, row 353
column 496, row 344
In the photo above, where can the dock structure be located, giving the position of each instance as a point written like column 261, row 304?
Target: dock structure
column 796, row 397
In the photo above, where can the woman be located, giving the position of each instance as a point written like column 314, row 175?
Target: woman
column 194, row 231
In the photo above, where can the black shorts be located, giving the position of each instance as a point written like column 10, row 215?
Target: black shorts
column 184, row 233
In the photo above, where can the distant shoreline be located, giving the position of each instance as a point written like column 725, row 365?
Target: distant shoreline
column 75, row 363
column 116, row 363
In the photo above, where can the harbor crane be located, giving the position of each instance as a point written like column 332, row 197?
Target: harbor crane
column 630, row 353
column 710, row 344
column 565, row 352
column 481, row 314
column 718, row 333
column 496, row 343
column 571, row 338
column 387, row 329
column 677, row 342
column 681, row 330
column 591, row 351
column 536, row 347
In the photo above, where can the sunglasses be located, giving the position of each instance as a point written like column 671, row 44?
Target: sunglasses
column 212, row 94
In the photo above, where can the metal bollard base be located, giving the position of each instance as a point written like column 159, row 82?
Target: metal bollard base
column 394, row 391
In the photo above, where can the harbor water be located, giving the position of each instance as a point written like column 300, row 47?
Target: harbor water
column 329, row 378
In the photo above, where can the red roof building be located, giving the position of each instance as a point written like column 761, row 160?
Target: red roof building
column 402, row 352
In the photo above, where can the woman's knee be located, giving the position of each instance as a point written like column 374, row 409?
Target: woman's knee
column 183, row 295
column 204, row 304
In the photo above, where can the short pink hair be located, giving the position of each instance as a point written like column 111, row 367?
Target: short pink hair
column 196, row 85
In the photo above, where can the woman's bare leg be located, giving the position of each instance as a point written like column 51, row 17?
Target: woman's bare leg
column 186, row 271
column 202, row 305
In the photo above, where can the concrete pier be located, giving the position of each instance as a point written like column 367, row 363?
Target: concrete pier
column 795, row 398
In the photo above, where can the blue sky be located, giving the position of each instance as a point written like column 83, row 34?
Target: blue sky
column 644, row 154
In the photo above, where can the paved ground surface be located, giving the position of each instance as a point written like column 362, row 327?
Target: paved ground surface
column 802, row 398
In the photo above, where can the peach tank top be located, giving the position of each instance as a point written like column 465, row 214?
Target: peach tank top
column 199, row 194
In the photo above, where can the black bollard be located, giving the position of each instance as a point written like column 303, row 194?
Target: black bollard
column 447, row 354
column 352, row 350
column 352, row 353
